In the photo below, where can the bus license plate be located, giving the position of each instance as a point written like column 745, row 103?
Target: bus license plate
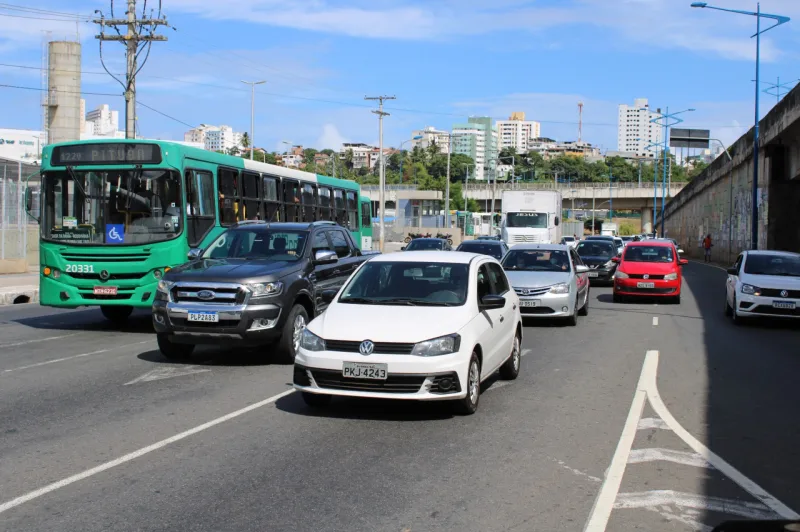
column 645, row 285
column 356, row 370
column 105, row 290
column 529, row 303
column 209, row 317
column 788, row 305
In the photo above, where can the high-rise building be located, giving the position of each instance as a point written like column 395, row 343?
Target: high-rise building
column 477, row 139
column 214, row 138
column 516, row 132
column 431, row 135
column 102, row 122
column 635, row 130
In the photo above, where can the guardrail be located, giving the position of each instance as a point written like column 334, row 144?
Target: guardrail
column 539, row 186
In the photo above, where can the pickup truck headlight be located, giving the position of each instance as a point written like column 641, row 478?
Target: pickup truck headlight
column 165, row 286
column 443, row 345
column 311, row 342
column 750, row 289
column 265, row 289
column 671, row 277
column 620, row 275
column 561, row 288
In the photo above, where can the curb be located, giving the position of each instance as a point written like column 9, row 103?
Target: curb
column 8, row 296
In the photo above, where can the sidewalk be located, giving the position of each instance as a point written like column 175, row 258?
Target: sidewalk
column 19, row 288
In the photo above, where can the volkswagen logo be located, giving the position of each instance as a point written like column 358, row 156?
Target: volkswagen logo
column 366, row 348
column 784, row 293
column 205, row 295
column 104, row 275
column 645, row 276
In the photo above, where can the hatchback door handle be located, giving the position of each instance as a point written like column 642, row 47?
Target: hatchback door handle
column 502, row 319
column 514, row 307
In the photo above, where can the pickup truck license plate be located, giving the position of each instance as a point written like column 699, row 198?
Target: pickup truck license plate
column 594, row 274
column 645, row 285
column 211, row 317
column 356, row 370
column 529, row 303
column 105, row 290
column 788, row 305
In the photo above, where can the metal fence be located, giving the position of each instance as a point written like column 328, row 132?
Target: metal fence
column 18, row 231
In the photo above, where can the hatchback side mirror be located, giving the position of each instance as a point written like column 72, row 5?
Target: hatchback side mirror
column 325, row 256
column 329, row 295
column 614, row 259
column 403, row 248
column 581, row 269
column 683, row 262
column 489, row 302
column 680, row 252
column 733, row 271
column 195, row 253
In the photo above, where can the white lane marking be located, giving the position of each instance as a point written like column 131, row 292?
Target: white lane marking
column 652, row 423
column 640, row 456
column 525, row 352
column 26, row 342
column 13, row 503
column 715, row 460
column 656, row 498
column 167, row 373
column 577, row 471
column 655, row 321
column 82, row 355
column 601, row 511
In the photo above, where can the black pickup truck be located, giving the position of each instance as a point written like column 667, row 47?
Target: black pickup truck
column 256, row 284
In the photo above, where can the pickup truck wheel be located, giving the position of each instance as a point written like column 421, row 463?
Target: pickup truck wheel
column 291, row 334
column 171, row 350
column 116, row 315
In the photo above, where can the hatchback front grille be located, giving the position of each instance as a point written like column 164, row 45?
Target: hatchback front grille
column 334, row 380
column 381, row 348
column 776, row 292
column 642, row 276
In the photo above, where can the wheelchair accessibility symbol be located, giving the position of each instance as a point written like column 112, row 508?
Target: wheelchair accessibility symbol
column 115, row 233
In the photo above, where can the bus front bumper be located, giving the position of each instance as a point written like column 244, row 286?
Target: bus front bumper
column 54, row 293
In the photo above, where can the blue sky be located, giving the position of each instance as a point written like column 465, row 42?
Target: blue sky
column 443, row 59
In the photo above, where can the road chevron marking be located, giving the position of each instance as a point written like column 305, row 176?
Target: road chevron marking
column 647, row 390
column 641, row 456
column 652, row 423
column 657, row 498
column 167, row 373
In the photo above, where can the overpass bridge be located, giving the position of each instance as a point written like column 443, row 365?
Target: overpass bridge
column 578, row 196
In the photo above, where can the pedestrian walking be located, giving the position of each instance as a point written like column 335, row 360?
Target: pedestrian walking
column 707, row 245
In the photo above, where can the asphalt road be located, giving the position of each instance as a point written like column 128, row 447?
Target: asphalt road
column 93, row 431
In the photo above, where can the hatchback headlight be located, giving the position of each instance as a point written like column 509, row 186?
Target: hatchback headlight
column 750, row 289
column 311, row 342
column 561, row 288
column 671, row 277
column 443, row 345
column 165, row 286
column 620, row 275
column 265, row 289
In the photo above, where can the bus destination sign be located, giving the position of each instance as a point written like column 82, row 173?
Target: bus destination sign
column 106, row 153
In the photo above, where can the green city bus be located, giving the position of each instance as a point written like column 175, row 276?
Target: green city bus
column 116, row 214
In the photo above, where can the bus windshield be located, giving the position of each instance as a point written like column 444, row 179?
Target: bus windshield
column 111, row 207
column 535, row 220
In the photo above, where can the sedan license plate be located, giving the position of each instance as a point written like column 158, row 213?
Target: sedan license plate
column 594, row 274
column 788, row 305
column 210, row 317
column 105, row 290
column 529, row 303
column 356, row 370
column 645, row 285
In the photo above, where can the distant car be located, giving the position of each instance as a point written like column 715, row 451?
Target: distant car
column 628, row 239
column 597, row 255
column 416, row 326
column 674, row 242
column 600, row 237
column 619, row 243
column 764, row 283
column 570, row 241
column 550, row 280
column 488, row 237
column 649, row 269
column 428, row 244
column 493, row 248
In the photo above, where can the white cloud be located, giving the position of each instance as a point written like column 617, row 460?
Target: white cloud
column 330, row 138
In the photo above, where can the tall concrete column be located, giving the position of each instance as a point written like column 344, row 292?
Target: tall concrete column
column 64, row 91
column 647, row 220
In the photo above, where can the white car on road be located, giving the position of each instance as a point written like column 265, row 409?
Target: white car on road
column 764, row 283
column 421, row 325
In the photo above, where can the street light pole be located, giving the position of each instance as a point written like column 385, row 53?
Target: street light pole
column 666, row 117
column 252, row 112
column 779, row 19
column 447, row 183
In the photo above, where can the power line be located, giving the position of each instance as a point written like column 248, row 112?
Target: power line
column 139, row 102
column 15, row 7
column 45, row 18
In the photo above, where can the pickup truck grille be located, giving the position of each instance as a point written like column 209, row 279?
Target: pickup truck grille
column 208, row 293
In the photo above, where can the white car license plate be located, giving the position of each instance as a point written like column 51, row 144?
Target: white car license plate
column 356, row 370
column 594, row 274
column 211, row 317
column 105, row 290
column 788, row 305
column 645, row 285
column 529, row 303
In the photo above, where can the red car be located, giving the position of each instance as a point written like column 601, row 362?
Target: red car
column 649, row 268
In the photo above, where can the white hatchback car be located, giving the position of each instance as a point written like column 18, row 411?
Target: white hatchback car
column 420, row 325
column 764, row 283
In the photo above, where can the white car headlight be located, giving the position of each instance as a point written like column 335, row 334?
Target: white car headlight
column 750, row 289
column 620, row 275
column 165, row 286
column 265, row 289
column 671, row 277
column 443, row 345
column 311, row 342
column 561, row 288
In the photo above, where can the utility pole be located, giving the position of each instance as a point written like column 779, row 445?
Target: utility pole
column 252, row 113
column 135, row 42
column 382, row 178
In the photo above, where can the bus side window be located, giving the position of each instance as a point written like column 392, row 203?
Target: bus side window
column 200, row 216
column 229, row 201
column 309, row 202
column 272, row 205
column 291, row 200
column 366, row 215
column 324, row 200
column 352, row 210
column 340, row 216
column 250, row 196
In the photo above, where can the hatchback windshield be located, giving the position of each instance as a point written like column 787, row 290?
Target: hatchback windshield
column 536, row 260
column 111, row 207
column 596, row 248
column 408, row 283
column 425, row 245
column 258, row 244
column 527, row 219
column 783, row 265
column 493, row 250
column 649, row 254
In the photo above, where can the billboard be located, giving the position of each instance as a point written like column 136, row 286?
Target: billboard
column 689, row 138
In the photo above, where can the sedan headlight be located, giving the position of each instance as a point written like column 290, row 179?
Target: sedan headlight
column 750, row 289
column 311, row 342
column 620, row 275
column 443, row 345
column 671, row 277
column 165, row 286
column 265, row 289
column 561, row 288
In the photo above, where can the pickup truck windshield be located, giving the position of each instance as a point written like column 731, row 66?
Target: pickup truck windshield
column 258, row 243
column 111, row 207
column 408, row 283
column 535, row 220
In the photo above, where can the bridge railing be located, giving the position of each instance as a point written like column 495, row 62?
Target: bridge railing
column 539, row 186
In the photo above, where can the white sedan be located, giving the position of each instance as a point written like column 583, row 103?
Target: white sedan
column 420, row 325
column 764, row 283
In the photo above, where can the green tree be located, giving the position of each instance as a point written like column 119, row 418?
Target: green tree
column 308, row 155
column 245, row 141
column 348, row 159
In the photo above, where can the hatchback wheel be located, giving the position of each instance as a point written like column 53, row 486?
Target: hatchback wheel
column 728, row 308
column 510, row 369
column 469, row 404
column 572, row 321
column 584, row 311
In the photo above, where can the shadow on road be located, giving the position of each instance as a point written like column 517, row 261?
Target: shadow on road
column 140, row 322
column 368, row 409
column 215, row 356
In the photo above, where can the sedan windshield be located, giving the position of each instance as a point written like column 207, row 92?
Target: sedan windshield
column 536, row 220
column 493, row 250
column 783, row 265
column 648, row 254
column 111, row 207
column 425, row 245
column 596, row 248
column 536, row 260
column 408, row 283
column 258, row 244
